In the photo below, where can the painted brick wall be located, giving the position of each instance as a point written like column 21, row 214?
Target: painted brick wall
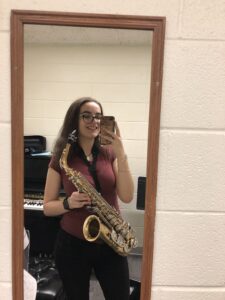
column 118, row 76
column 189, row 250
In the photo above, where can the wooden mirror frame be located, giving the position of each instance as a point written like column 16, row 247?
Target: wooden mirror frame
column 18, row 19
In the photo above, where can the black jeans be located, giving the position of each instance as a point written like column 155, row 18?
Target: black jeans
column 75, row 259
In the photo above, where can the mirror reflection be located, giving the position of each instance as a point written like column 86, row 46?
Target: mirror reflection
column 62, row 64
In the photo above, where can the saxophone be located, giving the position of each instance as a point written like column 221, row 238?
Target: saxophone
column 105, row 223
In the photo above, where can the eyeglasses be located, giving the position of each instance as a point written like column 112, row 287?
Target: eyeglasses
column 88, row 117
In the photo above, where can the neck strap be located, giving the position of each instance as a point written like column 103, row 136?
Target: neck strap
column 92, row 166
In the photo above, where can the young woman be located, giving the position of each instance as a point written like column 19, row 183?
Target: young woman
column 107, row 169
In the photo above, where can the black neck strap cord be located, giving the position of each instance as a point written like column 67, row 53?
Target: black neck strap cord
column 92, row 167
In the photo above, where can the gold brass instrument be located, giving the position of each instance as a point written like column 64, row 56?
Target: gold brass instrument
column 106, row 223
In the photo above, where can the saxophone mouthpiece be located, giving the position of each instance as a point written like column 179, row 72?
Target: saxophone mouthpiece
column 72, row 137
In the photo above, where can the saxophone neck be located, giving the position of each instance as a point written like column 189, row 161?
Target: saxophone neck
column 72, row 138
column 67, row 149
column 63, row 159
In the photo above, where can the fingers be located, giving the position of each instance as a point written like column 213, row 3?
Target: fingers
column 108, row 135
column 112, row 134
column 113, row 139
column 78, row 200
column 117, row 129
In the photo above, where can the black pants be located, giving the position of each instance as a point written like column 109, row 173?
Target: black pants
column 75, row 261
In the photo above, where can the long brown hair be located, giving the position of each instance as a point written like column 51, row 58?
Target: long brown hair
column 70, row 123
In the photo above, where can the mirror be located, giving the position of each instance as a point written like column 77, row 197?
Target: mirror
column 62, row 64
column 116, row 34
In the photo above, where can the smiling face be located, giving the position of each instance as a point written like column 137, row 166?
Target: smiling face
column 89, row 122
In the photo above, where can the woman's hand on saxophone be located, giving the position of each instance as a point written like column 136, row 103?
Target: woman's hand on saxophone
column 78, row 200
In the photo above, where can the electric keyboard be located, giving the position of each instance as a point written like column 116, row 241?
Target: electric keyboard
column 33, row 204
column 35, row 171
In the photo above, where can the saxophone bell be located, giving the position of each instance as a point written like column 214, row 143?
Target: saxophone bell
column 92, row 228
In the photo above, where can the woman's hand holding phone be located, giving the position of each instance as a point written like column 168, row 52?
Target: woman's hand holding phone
column 111, row 136
column 107, row 126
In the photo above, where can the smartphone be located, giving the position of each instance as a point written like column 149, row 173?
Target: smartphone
column 107, row 122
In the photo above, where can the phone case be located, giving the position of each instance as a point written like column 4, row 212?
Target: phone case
column 107, row 122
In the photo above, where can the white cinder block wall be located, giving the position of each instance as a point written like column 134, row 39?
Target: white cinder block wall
column 118, row 76
column 189, row 239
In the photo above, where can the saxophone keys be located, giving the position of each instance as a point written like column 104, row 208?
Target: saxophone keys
column 89, row 208
column 120, row 241
column 126, row 248
column 114, row 236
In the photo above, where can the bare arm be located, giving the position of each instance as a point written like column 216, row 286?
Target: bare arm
column 124, row 180
column 52, row 205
